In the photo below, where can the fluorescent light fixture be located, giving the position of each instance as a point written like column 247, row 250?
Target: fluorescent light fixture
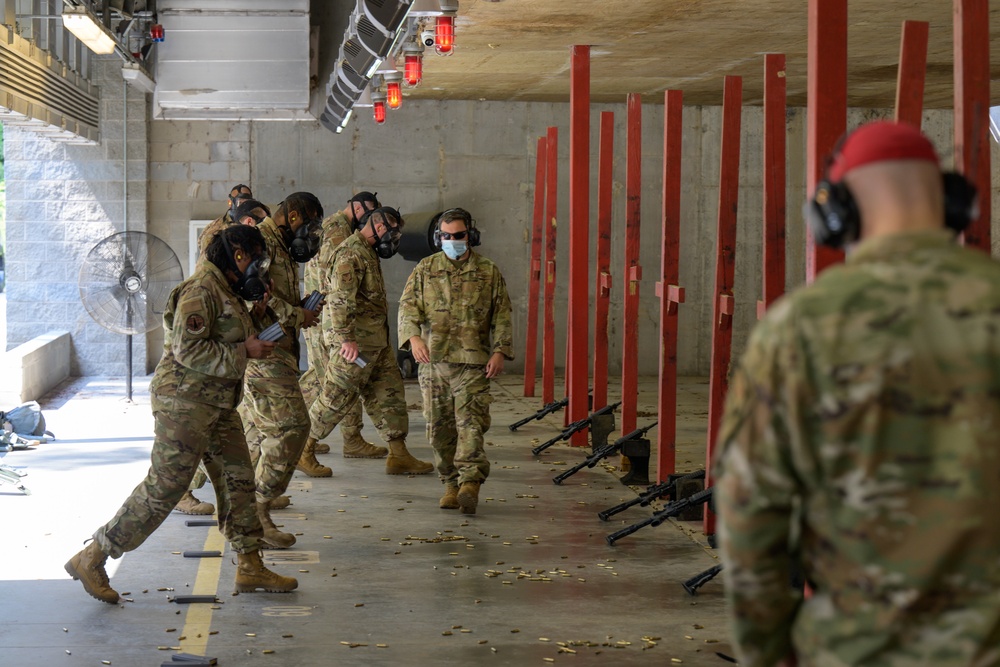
column 343, row 123
column 995, row 123
column 86, row 28
column 374, row 68
column 136, row 76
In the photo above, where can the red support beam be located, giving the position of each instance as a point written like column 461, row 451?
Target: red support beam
column 826, row 107
column 972, row 109
column 633, row 272
column 602, row 289
column 579, row 238
column 668, row 288
column 535, row 279
column 912, row 71
column 548, row 305
column 725, row 271
column 774, row 181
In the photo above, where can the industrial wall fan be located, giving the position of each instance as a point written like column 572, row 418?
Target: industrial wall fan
column 124, row 284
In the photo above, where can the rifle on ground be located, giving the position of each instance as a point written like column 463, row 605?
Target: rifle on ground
column 602, row 453
column 547, row 409
column 671, row 510
column 697, row 581
column 650, row 494
column 574, row 427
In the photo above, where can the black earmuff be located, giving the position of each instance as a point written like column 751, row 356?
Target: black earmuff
column 833, row 218
column 457, row 214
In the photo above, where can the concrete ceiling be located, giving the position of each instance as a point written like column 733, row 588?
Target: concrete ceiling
column 519, row 49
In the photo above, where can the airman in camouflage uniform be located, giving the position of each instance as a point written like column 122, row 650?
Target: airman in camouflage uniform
column 209, row 335
column 275, row 417
column 859, row 438
column 455, row 316
column 336, row 229
column 355, row 324
column 239, row 194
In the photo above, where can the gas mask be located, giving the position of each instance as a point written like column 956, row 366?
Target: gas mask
column 454, row 249
column 254, row 282
column 304, row 242
column 238, row 199
column 387, row 244
column 366, row 199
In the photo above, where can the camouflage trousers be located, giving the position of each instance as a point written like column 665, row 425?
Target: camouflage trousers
column 457, row 401
column 312, row 380
column 275, row 422
column 378, row 385
column 186, row 433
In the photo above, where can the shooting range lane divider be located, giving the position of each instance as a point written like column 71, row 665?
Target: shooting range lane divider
column 198, row 619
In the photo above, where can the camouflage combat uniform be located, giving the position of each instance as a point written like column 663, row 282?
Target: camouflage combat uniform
column 357, row 311
column 194, row 394
column 863, row 419
column 336, row 229
column 274, row 413
column 462, row 311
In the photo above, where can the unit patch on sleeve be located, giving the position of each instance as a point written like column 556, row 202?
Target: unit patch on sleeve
column 195, row 325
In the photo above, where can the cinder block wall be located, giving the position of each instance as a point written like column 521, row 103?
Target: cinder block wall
column 61, row 201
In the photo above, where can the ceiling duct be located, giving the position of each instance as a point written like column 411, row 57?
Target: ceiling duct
column 233, row 60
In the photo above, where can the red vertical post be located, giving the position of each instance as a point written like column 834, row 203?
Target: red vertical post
column 725, row 271
column 668, row 289
column 826, row 102
column 579, row 237
column 602, row 299
column 633, row 272
column 912, row 70
column 535, row 279
column 774, row 181
column 972, row 109
column 548, row 306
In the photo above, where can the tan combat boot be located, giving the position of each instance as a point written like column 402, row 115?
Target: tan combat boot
column 468, row 497
column 356, row 447
column 401, row 462
column 88, row 567
column 449, row 501
column 272, row 536
column 188, row 504
column 280, row 503
column 251, row 575
column 322, row 448
column 308, row 463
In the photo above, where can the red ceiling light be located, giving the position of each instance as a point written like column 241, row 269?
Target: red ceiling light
column 379, row 111
column 413, row 69
column 394, row 94
column 444, row 35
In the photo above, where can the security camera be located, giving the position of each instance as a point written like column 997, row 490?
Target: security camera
column 427, row 37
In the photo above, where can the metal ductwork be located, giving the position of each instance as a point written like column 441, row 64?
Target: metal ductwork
column 44, row 95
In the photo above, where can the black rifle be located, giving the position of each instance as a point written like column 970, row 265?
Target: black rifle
column 574, row 427
column 697, row 581
column 650, row 494
column 547, row 409
column 602, row 453
column 671, row 510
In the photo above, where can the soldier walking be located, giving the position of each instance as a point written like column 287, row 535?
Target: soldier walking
column 455, row 316
column 208, row 337
column 356, row 327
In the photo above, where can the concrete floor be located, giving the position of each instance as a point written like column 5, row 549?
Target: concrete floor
column 385, row 577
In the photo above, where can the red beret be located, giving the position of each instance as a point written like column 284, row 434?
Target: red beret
column 880, row 142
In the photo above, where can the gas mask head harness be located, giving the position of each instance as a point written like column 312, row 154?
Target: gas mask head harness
column 368, row 200
column 387, row 244
column 237, row 195
column 305, row 241
column 253, row 209
column 252, row 283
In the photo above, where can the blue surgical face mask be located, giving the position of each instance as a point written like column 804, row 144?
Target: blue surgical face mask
column 454, row 249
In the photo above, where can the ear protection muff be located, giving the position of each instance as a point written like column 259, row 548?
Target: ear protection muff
column 961, row 202
column 832, row 215
column 457, row 214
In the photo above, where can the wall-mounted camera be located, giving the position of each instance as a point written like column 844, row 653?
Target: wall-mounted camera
column 427, row 37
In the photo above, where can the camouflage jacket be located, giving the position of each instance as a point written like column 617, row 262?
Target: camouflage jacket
column 285, row 301
column 356, row 309
column 210, row 231
column 860, row 437
column 204, row 325
column 336, row 228
column 460, row 308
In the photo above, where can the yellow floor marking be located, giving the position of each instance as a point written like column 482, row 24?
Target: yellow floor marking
column 198, row 620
